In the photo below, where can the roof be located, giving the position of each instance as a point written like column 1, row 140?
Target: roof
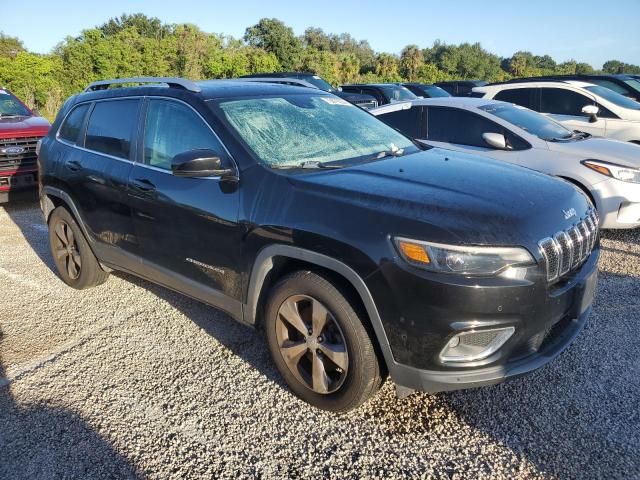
column 461, row 102
column 208, row 89
column 278, row 74
column 372, row 85
column 532, row 83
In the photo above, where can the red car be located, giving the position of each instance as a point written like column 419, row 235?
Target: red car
column 20, row 130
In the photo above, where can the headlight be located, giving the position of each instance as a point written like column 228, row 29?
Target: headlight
column 626, row 174
column 468, row 260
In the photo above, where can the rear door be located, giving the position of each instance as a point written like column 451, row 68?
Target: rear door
column 187, row 227
column 97, row 166
column 565, row 106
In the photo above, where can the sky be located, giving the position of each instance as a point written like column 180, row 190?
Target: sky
column 585, row 30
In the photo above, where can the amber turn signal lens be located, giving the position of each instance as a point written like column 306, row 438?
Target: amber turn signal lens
column 413, row 252
column 598, row 168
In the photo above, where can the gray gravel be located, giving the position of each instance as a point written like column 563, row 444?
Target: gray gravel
column 132, row 380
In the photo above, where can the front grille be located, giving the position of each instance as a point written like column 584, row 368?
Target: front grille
column 25, row 159
column 568, row 249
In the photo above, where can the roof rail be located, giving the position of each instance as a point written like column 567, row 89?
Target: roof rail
column 280, row 80
column 173, row 82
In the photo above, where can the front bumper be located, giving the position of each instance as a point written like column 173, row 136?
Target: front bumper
column 546, row 319
column 618, row 203
column 16, row 182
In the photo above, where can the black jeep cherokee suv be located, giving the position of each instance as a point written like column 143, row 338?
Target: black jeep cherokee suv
column 359, row 254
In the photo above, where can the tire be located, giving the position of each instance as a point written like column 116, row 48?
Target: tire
column 335, row 337
column 76, row 264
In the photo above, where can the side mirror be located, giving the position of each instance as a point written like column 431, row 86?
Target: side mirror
column 496, row 140
column 592, row 112
column 201, row 163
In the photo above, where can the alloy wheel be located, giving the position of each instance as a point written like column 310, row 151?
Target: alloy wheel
column 66, row 249
column 312, row 344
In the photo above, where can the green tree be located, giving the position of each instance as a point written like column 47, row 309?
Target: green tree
column 10, row 46
column 274, row 36
column 387, row 68
column 411, row 60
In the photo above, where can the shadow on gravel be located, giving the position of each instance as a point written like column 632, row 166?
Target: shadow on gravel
column 25, row 213
column 44, row 441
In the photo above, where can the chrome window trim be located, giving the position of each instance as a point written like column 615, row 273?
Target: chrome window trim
column 134, row 162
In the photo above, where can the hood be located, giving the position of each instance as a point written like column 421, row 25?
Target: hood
column 463, row 198
column 597, row 148
column 23, row 126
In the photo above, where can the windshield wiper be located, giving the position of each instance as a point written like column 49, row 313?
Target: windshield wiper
column 393, row 152
column 310, row 164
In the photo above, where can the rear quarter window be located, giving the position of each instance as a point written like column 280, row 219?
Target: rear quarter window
column 70, row 129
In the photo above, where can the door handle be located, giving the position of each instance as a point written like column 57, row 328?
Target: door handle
column 74, row 165
column 143, row 185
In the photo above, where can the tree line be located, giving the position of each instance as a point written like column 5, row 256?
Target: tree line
column 137, row 45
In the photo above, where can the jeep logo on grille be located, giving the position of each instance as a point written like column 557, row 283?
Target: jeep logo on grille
column 12, row 150
column 569, row 213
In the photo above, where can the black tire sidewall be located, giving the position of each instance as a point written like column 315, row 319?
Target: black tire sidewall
column 360, row 374
column 87, row 258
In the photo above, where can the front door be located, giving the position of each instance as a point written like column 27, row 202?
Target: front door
column 187, row 227
column 565, row 106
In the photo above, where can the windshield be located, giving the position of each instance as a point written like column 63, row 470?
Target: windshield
column 614, row 97
column 10, row 106
column 528, row 120
column 287, row 131
column 435, row 92
column 635, row 84
column 397, row 93
column 319, row 82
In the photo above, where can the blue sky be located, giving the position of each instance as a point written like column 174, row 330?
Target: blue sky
column 586, row 30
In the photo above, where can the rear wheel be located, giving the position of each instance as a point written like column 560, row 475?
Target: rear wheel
column 76, row 263
column 319, row 343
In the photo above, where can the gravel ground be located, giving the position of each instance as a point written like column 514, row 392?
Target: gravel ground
column 132, row 380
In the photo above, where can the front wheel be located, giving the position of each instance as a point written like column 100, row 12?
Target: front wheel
column 320, row 344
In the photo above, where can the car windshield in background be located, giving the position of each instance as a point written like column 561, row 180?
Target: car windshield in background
column 10, row 106
column 397, row 93
column 321, row 83
column 614, row 97
column 528, row 120
column 292, row 130
column 435, row 92
column 634, row 84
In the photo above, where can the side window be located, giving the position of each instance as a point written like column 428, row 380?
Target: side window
column 172, row 128
column 563, row 102
column 453, row 125
column 111, row 127
column 406, row 122
column 70, row 129
column 525, row 97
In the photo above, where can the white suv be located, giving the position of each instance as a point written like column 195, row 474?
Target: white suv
column 577, row 105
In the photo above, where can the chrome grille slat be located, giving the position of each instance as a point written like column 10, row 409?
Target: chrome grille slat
column 25, row 159
column 568, row 249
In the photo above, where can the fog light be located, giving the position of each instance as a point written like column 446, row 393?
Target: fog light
column 475, row 345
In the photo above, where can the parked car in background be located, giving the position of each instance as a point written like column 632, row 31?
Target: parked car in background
column 311, row 79
column 20, row 130
column 425, row 90
column 358, row 253
column 384, row 93
column 576, row 105
column 460, row 88
column 626, row 85
column 608, row 171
